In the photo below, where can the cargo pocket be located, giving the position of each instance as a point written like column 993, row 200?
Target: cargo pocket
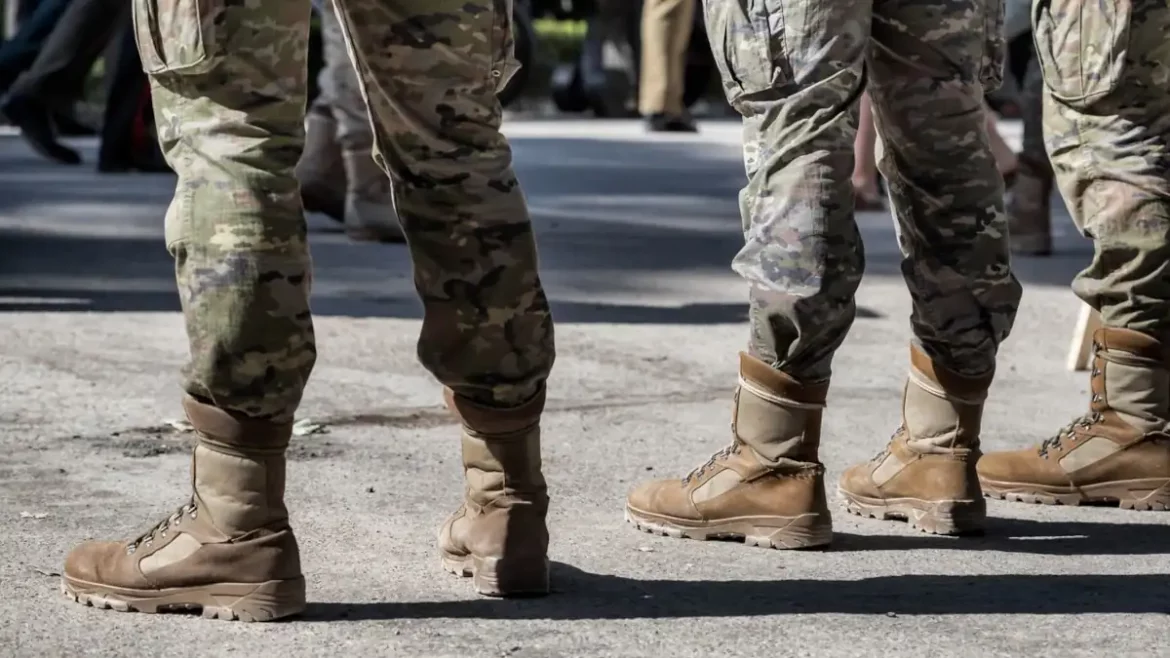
column 1081, row 47
column 745, row 44
column 994, row 46
column 503, row 40
column 178, row 36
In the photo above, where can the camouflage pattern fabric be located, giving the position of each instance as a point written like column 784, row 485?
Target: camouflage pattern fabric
column 1107, row 128
column 229, row 81
column 795, row 71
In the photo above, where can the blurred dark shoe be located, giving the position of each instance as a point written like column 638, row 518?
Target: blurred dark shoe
column 321, row 171
column 144, row 164
column 36, row 126
column 69, row 125
column 662, row 123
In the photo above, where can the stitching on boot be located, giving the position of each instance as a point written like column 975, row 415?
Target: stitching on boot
column 248, row 452
column 227, row 428
column 764, row 394
column 925, row 383
column 495, row 423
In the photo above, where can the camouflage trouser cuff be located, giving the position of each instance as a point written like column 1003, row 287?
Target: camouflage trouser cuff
column 483, row 421
column 233, row 432
column 778, row 387
column 945, row 383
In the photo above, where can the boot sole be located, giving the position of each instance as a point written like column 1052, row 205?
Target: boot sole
column 1151, row 494
column 805, row 531
column 501, row 577
column 266, row 601
column 936, row 517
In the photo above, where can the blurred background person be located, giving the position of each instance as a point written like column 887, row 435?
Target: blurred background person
column 129, row 142
column 337, row 171
column 34, row 22
column 1029, row 204
column 867, row 188
column 867, row 192
column 56, row 77
column 666, row 33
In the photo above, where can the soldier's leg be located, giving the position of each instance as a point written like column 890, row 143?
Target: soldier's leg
column 228, row 83
column 796, row 75
column 931, row 63
column 1029, row 207
column 430, row 71
column 1107, row 127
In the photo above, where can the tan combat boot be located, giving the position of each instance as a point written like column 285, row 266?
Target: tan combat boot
column 229, row 552
column 498, row 536
column 767, row 488
column 926, row 474
column 369, row 201
column 320, row 170
column 1029, row 208
column 1117, row 452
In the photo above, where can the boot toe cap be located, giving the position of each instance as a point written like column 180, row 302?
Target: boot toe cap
column 661, row 498
column 856, row 480
column 1013, row 466
column 94, row 561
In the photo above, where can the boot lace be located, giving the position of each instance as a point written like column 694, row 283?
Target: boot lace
column 176, row 517
column 702, row 468
column 886, row 449
column 1081, row 422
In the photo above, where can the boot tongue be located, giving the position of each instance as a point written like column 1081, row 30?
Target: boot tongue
column 238, row 493
column 501, row 471
column 934, row 421
column 1134, row 388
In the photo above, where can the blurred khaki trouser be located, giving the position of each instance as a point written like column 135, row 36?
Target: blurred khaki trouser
column 666, row 31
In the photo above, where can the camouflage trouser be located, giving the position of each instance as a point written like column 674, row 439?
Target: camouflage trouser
column 341, row 93
column 1107, row 127
column 795, row 70
column 229, row 83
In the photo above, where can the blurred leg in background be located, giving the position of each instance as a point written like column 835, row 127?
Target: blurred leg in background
column 1029, row 205
column 128, row 141
column 666, row 32
column 54, row 80
column 337, row 171
column 20, row 51
column 867, row 195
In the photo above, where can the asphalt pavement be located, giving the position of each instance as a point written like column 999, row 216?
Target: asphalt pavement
column 636, row 234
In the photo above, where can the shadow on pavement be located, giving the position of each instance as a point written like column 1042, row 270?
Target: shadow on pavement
column 1026, row 536
column 582, row 595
